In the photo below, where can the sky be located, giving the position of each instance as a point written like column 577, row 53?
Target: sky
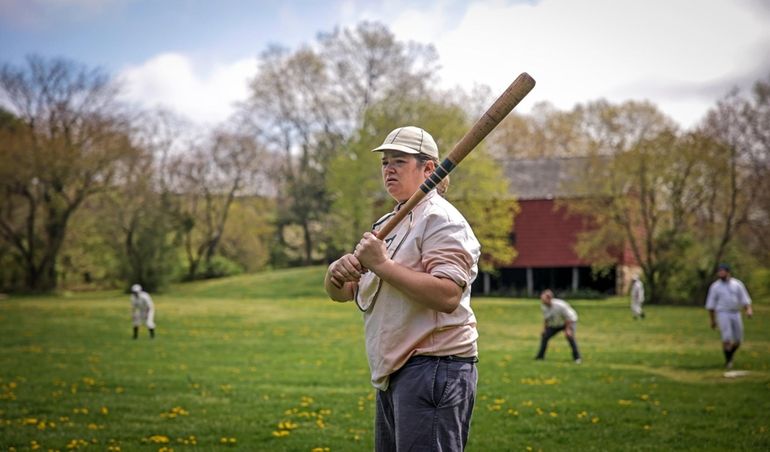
column 195, row 56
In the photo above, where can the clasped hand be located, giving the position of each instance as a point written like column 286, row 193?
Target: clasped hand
column 369, row 254
column 371, row 251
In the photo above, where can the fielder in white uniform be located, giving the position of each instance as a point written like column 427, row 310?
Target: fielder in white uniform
column 142, row 310
column 637, row 297
column 725, row 299
column 557, row 316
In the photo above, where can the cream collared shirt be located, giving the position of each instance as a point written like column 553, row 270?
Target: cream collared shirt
column 436, row 239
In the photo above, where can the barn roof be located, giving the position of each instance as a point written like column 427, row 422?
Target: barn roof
column 546, row 178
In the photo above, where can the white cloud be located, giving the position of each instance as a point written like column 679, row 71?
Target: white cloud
column 619, row 50
column 172, row 81
column 680, row 54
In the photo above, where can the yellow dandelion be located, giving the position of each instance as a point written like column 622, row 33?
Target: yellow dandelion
column 159, row 439
column 104, row 410
column 647, row 427
column 595, row 420
column 553, row 414
column 280, row 433
column 622, row 402
column 287, row 425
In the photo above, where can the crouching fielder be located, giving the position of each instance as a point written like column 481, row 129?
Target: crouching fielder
column 725, row 299
column 558, row 315
column 143, row 310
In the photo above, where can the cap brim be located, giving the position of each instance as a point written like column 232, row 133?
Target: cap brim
column 395, row 147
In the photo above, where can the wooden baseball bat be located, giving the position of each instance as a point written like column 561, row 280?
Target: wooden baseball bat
column 488, row 121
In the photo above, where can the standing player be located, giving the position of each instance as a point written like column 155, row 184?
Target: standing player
column 637, row 297
column 419, row 325
column 558, row 316
column 725, row 299
column 143, row 310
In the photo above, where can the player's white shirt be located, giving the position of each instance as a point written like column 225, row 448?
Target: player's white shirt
column 730, row 295
column 637, row 291
column 558, row 313
column 141, row 301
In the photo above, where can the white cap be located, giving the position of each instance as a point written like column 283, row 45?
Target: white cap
column 136, row 288
column 410, row 139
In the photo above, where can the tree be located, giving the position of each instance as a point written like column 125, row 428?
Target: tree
column 641, row 192
column 545, row 132
column 478, row 188
column 210, row 178
column 62, row 147
column 737, row 133
column 309, row 102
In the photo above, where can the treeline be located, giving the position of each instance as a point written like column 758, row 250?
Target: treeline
column 96, row 193
column 679, row 201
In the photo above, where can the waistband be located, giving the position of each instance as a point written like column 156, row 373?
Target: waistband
column 459, row 359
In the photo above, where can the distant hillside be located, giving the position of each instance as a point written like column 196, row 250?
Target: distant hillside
column 286, row 283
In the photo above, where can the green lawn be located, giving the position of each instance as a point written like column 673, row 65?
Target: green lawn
column 266, row 362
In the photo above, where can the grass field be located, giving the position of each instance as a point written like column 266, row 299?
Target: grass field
column 267, row 362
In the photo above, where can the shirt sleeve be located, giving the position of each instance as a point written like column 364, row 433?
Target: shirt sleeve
column 745, row 298
column 449, row 249
column 711, row 298
column 570, row 314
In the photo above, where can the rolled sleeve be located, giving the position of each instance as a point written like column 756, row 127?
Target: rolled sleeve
column 449, row 250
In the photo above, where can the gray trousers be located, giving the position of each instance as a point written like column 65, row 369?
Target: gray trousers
column 427, row 406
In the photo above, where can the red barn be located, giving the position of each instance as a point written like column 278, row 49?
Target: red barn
column 545, row 235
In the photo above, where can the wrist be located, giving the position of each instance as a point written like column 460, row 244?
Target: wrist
column 381, row 268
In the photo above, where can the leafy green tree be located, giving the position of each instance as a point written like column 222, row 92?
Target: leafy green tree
column 249, row 233
column 640, row 182
column 477, row 188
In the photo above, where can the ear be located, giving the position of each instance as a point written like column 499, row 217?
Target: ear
column 430, row 166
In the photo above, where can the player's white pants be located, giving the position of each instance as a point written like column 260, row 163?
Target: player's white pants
column 146, row 316
column 730, row 326
column 636, row 307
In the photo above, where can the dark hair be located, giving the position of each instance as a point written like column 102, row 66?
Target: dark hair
column 422, row 160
